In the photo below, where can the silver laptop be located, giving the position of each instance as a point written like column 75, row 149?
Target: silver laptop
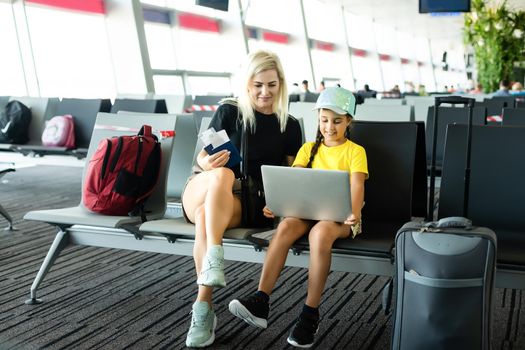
column 307, row 193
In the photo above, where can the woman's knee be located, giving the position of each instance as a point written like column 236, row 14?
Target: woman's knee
column 222, row 177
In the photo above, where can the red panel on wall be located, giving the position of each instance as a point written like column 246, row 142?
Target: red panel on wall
column 191, row 21
column 321, row 45
column 359, row 52
column 384, row 57
column 95, row 6
column 275, row 37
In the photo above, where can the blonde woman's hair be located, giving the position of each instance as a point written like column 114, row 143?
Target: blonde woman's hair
column 257, row 62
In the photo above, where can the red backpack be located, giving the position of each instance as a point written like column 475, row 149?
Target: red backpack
column 122, row 174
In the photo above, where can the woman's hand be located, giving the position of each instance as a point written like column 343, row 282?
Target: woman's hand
column 268, row 213
column 213, row 161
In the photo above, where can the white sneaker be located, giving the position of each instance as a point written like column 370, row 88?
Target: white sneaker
column 212, row 273
column 203, row 324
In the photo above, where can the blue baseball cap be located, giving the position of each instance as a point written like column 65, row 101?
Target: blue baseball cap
column 339, row 100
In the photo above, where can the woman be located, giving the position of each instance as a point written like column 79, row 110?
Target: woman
column 211, row 198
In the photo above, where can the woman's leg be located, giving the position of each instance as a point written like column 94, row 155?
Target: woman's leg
column 199, row 201
column 199, row 252
column 209, row 202
column 213, row 189
column 288, row 231
column 322, row 237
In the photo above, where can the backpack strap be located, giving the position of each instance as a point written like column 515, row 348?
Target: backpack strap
column 230, row 101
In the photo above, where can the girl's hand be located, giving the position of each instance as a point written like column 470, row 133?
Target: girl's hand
column 353, row 219
column 268, row 213
column 213, row 161
column 355, row 224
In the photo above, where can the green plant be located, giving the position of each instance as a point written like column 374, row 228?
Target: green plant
column 497, row 35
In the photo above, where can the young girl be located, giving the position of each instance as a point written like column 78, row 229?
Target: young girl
column 331, row 150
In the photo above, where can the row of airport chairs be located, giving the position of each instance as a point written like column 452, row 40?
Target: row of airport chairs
column 395, row 193
column 84, row 112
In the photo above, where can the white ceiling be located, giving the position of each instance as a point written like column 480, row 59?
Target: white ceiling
column 404, row 15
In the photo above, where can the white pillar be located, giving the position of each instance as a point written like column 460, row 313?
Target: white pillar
column 26, row 49
column 128, row 47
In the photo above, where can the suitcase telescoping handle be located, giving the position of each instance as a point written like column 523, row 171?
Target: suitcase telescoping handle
column 469, row 102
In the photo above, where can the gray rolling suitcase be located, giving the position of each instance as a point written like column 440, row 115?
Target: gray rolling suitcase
column 444, row 273
column 444, row 282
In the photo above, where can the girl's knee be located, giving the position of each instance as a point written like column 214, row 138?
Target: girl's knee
column 320, row 239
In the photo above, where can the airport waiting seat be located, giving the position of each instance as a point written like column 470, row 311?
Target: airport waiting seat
column 139, row 105
column 494, row 109
column 42, row 109
column 395, row 191
column 176, row 229
column 3, row 212
column 513, row 116
column 3, row 101
column 384, row 113
column 309, row 97
column 79, row 226
column 496, row 192
column 205, row 103
column 448, row 115
column 385, row 102
column 421, row 104
column 509, row 101
column 306, row 112
column 181, row 159
column 176, row 104
column 84, row 112
column 198, row 116
column 372, row 254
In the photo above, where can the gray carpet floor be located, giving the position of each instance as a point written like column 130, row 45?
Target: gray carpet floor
column 97, row 298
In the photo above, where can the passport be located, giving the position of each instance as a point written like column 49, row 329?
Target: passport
column 215, row 141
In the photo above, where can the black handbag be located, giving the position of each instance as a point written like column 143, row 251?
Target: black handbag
column 252, row 193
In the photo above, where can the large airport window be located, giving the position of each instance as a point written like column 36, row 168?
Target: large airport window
column 161, row 47
column 168, row 85
column 12, row 82
column 72, row 53
column 199, row 85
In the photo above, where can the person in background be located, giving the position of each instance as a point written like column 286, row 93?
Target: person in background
column 395, row 89
column 367, row 92
column 295, row 89
column 333, row 151
column 504, row 86
column 211, row 197
column 517, row 87
column 321, row 86
column 477, row 90
column 422, row 90
column 305, row 86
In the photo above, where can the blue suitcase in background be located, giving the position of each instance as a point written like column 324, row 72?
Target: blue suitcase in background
column 444, row 282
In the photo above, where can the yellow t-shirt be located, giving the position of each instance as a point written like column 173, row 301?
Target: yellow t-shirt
column 348, row 156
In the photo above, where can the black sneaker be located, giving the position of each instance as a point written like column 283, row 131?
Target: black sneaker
column 252, row 309
column 304, row 330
